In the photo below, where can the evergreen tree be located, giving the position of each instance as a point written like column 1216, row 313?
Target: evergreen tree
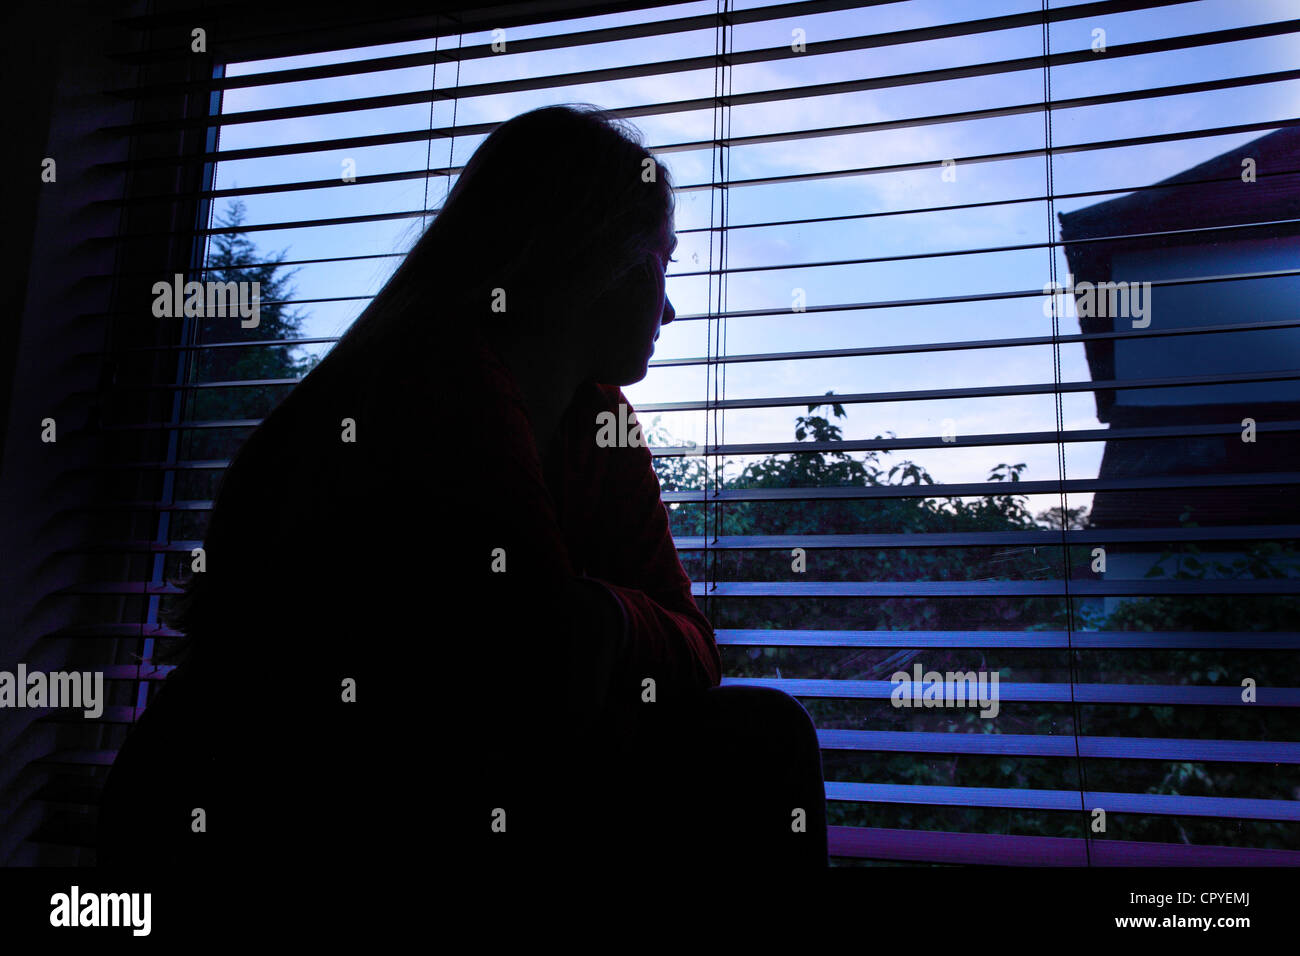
column 234, row 257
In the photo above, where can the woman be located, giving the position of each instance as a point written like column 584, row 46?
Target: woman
column 435, row 604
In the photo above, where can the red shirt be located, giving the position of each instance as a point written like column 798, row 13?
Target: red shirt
column 601, row 517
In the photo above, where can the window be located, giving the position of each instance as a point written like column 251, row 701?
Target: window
column 959, row 388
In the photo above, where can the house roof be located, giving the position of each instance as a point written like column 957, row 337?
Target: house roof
column 1209, row 195
column 1186, row 201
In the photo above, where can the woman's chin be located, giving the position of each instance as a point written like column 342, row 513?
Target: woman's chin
column 626, row 372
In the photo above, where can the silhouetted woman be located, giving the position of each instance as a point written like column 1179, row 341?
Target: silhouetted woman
column 439, row 618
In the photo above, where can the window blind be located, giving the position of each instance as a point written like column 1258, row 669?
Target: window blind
column 898, row 428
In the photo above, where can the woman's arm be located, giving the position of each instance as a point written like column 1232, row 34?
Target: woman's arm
column 518, row 619
column 633, row 553
column 546, row 622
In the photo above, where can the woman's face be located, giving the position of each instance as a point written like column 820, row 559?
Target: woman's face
column 625, row 321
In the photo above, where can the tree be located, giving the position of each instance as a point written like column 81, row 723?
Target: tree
column 235, row 258
column 1075, row 518
column 994, row 512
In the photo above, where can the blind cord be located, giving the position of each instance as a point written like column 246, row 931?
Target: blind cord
column 428, row 146
column 711, row 369
column 724, row 206
column 716, row 338
column 455, row 109
column 1075, row 712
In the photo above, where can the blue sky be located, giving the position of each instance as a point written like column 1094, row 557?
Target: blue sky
column 1115, row 169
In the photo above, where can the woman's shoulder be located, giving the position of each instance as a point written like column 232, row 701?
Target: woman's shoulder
column 587, row 412
column 602, row 398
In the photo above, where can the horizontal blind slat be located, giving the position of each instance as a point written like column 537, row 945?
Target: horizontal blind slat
column 1023, row 692
column 1056, row 640
column 1243, row 808
column 998, row 849
column 1061, row 745
column 996, row 588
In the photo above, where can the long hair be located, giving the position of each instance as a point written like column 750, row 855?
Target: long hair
column 553, row 208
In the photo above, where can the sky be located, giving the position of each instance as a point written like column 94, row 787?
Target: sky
column 799, row 246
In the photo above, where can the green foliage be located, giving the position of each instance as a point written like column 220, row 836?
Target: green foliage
column 994, row 512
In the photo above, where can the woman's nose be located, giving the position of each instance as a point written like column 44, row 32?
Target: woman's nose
column 669, row 312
